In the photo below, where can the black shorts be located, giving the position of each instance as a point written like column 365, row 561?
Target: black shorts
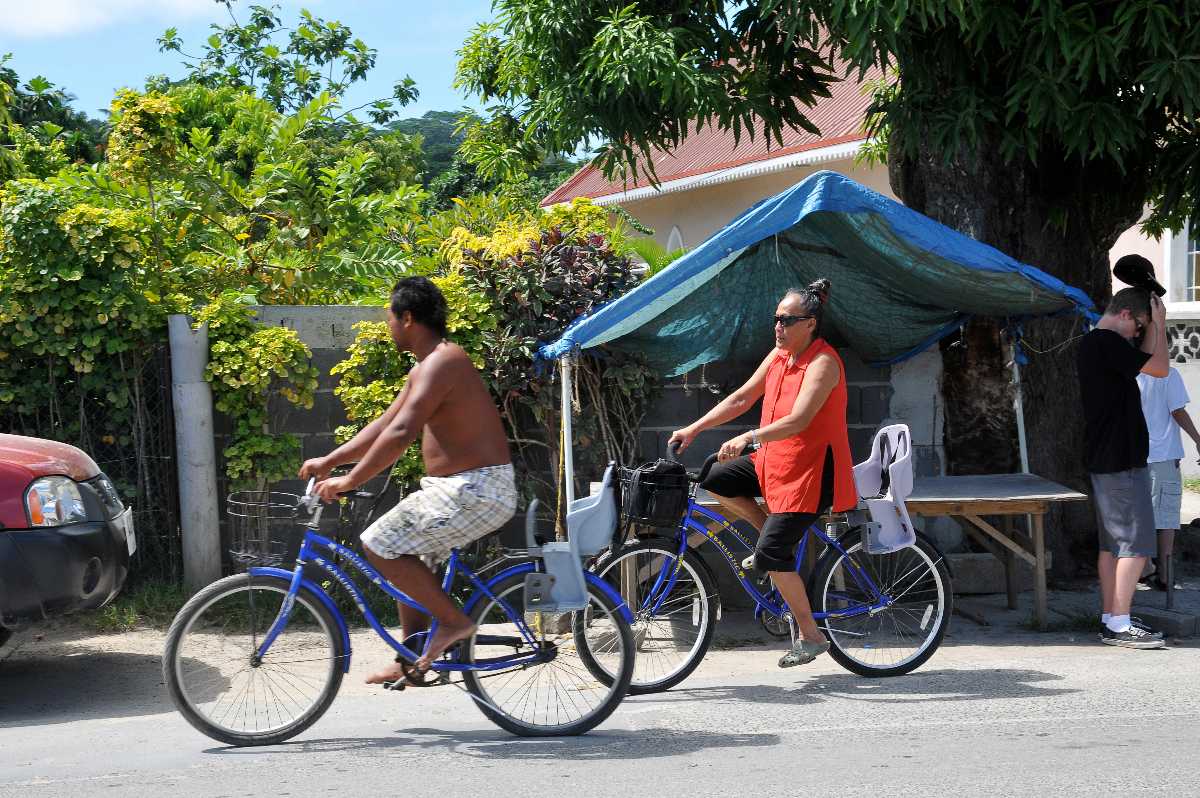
column 782, row 532
column 734, row 478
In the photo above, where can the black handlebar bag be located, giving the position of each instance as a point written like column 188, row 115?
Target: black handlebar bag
column 654, row 495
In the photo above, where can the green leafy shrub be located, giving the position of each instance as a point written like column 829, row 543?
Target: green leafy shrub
column 563, row 273
column 39, row 156
column 247, row 364
column 79, row 309
column 144, row 138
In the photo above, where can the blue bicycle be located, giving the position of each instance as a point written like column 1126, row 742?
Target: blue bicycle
column 256, row 658
column 884, row 614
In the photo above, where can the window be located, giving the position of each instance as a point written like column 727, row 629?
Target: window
column 1192, row 262
column 1181, row 266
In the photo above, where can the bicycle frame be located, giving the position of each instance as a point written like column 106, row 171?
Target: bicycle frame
column 313, row 551
column 765, row 602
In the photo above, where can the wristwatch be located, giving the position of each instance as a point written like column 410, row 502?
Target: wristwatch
column 754, row 438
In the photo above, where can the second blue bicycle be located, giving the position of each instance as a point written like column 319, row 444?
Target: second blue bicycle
column 884, row 614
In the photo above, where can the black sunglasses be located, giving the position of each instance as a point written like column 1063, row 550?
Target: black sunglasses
column 788, row 321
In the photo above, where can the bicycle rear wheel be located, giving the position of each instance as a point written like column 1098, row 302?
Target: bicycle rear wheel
column 215, row 681
column 557, row 696
column 675, row 614
column 894, row 639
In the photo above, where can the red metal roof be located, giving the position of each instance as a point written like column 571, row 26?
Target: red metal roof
column 839, row 118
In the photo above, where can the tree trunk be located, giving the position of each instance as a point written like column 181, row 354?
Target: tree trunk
column 1062, row 217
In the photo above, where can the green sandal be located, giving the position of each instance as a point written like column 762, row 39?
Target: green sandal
column 803, row 653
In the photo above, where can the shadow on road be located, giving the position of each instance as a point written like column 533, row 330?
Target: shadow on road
column 923, row 686
column 594, row 746
column 77, row 683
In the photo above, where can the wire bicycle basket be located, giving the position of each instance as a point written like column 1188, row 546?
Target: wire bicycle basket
column 264, row 528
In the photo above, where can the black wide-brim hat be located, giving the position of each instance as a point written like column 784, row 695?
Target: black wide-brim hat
column 1137, row 271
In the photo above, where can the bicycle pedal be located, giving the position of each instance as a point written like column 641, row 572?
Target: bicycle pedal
column 398, row 685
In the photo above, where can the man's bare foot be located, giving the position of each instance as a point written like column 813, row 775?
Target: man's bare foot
column 444, row 638
column 388, row 674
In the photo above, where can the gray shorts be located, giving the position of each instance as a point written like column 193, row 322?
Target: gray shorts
column 446, row 513
column 1124, row 513
column 1166, row 492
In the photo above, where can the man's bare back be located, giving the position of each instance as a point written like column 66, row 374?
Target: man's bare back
column 464, row 431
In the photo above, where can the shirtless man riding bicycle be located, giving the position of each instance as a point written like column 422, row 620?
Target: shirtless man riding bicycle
column 468, row 491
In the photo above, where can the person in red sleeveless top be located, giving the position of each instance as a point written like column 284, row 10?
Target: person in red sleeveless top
column 802, row 466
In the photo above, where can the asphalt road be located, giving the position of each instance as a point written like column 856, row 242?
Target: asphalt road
column 995, row 712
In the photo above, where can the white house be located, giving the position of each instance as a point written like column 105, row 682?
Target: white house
column 709, row 179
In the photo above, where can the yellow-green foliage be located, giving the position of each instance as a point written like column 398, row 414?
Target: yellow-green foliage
column 471, row 316
column 514, row 235
column 582, row 217
column 510, row 238
column 34, row 157
column 144, row 136
column 248, row 362
column 372, row 376
column 74, row 314
column 514, row 281
column 202, row 192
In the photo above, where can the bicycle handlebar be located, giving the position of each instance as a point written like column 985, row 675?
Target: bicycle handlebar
column 709, row 462
column 310, row 501
column 673, row 451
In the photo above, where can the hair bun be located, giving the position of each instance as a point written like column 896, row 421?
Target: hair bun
column 821, row 289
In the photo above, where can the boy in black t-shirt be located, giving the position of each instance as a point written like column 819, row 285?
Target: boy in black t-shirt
column 1115, row 448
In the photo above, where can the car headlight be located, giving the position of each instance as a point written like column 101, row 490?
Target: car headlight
column 107, row 491
column 54, row 501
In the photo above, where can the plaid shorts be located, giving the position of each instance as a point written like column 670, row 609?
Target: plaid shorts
column 446, row 513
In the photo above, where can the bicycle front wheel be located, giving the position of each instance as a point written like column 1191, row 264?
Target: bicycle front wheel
column 674, row 604
column 555, row 695
column 888, row 640
column 221, row 687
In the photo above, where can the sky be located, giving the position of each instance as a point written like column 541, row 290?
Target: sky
column 90, row 48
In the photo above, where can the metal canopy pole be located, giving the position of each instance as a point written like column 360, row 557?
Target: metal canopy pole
column 1033, row 526
column 1019, row 407
column 567, row 434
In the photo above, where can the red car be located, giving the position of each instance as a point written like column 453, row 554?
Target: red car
column 65, row 536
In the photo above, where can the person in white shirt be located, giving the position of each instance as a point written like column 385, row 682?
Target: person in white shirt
column 1164, row 402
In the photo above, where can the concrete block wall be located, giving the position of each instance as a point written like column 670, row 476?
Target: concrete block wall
column 328, row 331
column 869, row 398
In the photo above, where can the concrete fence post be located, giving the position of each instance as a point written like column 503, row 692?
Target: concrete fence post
column 195, row 454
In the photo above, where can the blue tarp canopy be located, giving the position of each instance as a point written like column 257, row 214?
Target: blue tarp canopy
column 900, row 282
